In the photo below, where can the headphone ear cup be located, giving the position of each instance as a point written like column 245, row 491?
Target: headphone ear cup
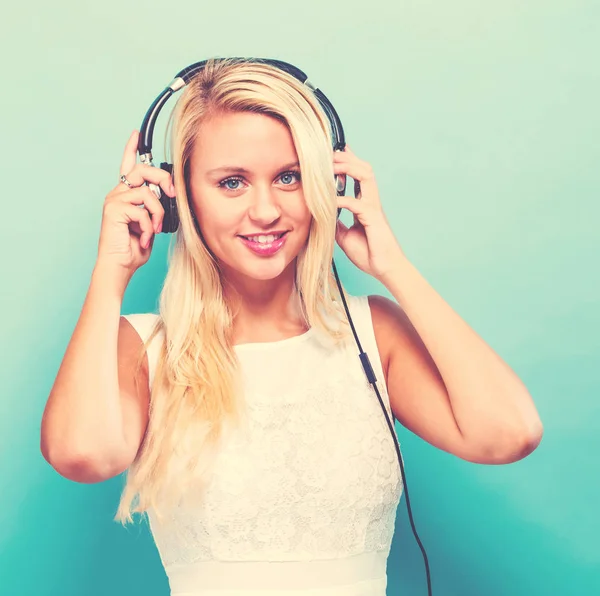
column 340, row 186
column 169, row 204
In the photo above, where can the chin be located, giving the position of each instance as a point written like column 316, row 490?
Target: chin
column 256, row 268
column 266, row 270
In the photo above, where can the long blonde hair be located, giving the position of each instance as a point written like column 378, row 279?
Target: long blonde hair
column 196, row 386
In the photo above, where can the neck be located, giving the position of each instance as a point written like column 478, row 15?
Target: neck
column 273, row 303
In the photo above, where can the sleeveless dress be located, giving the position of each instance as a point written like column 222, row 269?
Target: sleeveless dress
column 305, row 505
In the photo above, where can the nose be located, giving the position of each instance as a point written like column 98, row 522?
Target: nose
column 264, row 207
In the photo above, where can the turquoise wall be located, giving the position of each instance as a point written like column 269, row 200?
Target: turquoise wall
column 481, row 121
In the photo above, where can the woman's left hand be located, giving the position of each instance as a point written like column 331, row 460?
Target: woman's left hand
column 369, row 243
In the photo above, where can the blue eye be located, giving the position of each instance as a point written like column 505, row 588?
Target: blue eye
column 292, row 173
column 232, row 179
column 225, row 182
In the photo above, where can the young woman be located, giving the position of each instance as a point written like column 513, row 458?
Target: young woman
column 240, row 412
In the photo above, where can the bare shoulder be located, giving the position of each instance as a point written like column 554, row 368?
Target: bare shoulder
column 130, row 345
column 400, row 344
column 418, row 395
column 134, row 388
column 389, row 320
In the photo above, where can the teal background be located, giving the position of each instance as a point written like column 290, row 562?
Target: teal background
column 481, row 121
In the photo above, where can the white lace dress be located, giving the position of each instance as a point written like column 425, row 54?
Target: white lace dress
column 304, row 504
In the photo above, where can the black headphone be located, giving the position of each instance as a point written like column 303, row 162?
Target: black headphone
column 171, row 216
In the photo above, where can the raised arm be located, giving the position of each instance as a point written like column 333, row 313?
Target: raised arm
column 96, row 413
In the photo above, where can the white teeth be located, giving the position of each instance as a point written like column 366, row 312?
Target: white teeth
column 262, row 239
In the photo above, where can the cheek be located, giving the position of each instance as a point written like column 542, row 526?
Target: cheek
column 300, row 213
column 212, row 220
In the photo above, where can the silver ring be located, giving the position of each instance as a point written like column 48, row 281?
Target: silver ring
column 125, row 181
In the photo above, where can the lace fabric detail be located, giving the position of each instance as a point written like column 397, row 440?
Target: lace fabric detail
column 314, row 473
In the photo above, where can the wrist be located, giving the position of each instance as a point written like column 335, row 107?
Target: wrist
column 399, row 265
column 111, row 278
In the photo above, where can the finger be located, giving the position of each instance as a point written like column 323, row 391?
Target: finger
column 141, row 217
column 355, row 206
column 144, row 197
column 345, row 153
column 130, row 154
column 144, row 173
column 341, row 230
column 340, row 156
column 362, row 173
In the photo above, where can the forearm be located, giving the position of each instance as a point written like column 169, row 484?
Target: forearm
column 490, row 403
column 82, row 420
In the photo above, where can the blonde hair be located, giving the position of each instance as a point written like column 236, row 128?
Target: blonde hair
column 196, row 386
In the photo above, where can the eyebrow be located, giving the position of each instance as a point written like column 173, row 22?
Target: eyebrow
column 238, row 170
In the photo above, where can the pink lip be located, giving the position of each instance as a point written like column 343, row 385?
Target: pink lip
column 265, row 250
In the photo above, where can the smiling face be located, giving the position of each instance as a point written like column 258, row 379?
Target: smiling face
column 245, row 181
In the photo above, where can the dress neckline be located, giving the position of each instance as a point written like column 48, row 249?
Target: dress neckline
column 275, row 344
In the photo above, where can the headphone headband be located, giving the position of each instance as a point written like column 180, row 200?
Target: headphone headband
column 184, row 76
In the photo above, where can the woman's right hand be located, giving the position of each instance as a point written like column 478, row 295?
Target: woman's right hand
column 127, row 231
